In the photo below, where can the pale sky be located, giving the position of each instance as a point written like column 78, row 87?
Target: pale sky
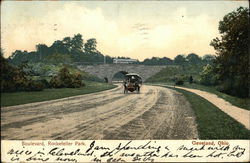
column 136, row 29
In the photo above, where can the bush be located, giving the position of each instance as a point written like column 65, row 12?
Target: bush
column 7, row 86
column 55, row 82
column 234, row 88
column 35, row 86
column 45, row 83
column 179, row 82
column 65, row 79
column 208, row 76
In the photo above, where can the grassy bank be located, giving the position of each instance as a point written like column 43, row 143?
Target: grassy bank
column 240, row 102
column 173, row 72
column 212, row 122
column 17, row 98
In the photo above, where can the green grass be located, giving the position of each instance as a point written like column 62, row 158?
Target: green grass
column 17, row 98
column 173, row 72
column 240, row 102
column 212, row 122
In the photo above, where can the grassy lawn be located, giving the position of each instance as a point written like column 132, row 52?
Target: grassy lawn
column 240, row 102
column 212, row 122
column 10, row 99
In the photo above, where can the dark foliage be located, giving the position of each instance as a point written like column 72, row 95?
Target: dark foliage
column 179, row 82
column 15, row 79
column 232, row 62
column 65, row 79
column 158, row 61
column 67, row 51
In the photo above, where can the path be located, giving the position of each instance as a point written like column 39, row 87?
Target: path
column 155, row 113
column 239, row 114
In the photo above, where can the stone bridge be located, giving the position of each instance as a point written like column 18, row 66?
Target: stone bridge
column 109, row 70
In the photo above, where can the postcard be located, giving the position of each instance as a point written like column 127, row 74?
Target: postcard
column 125, row 81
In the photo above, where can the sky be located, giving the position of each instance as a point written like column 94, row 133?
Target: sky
column 136, row 29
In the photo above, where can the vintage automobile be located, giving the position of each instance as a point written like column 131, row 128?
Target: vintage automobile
column 132, row 82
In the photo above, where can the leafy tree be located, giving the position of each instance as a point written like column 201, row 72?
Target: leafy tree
column 193, row 58
column 208, row 58
column 208, row 76
column 58, row 47
column 180, row 59
column 232, row 50
column 158, row 61
column 19, row 57
column 67, row 44
column 90, row 46
column 77, row 44
column 167, row 60
column 42, row 51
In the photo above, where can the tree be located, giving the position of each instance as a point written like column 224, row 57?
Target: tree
column 208, row 58
column 232, row 61
column 193, row 58
column 67, row 44
column 42, row 50
column 208, row 76
column 158, row 61
column 180, row 59
column 58, row 47
column 166, row 60
column 19, row 56
column 90, row 46
column 77, row 44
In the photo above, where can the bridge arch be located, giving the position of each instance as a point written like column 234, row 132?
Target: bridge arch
column 109, row 70
column 119, row 75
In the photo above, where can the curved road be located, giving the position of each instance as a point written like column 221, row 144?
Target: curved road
column 155, row 113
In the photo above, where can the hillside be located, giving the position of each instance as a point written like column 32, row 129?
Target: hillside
column 173, row 73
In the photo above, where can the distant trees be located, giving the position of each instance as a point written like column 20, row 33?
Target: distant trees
column 42, row 50
column 90, row 46
column 180, row 59
column 193, row 59
column 232, row 61
column 76, row 44
column 61, row 51
column 208, row 59
column 74, row 49
column 158, row 61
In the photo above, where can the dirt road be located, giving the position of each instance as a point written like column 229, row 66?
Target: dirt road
column 237, row 113
column 155, row 113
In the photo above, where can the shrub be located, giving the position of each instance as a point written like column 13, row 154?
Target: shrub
column 235, row 88
column 65, row 79
column 35, row 86
column 179, row 82
column 45, row 83
column 208, row 76
column 55, row 82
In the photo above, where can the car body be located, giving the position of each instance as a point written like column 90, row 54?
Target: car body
column 132, row 82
